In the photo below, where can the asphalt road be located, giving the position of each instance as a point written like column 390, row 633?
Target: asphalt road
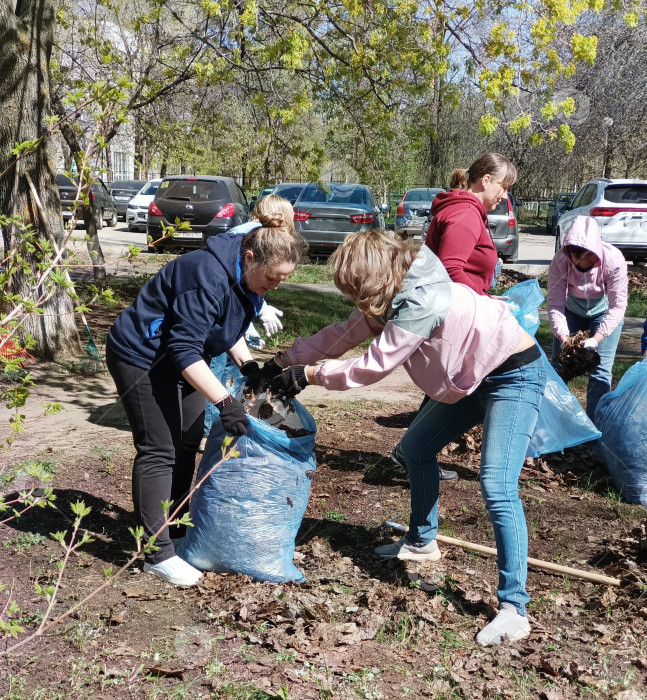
column 536, row 249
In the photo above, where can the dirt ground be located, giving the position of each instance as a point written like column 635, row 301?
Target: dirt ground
column 358, row 627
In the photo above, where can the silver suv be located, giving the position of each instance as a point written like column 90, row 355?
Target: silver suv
column 503, row 226
column 619, row 207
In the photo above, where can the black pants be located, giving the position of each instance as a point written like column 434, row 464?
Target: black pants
column 166, row 416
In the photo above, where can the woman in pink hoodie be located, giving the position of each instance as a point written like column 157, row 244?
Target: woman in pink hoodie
column 470, row 356
column 587, row 291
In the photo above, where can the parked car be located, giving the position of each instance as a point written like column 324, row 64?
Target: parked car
column 503, row 227
column 555, row 208
column 412, row 215
column 104, row 206
column 264, row 192
column 123, row 191
column 325, row 214
column 619, row 207
column 210, row 204
column 289, row 190
column 137, row 210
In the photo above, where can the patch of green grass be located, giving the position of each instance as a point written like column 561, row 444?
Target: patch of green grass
column 234, row 691
column 105, row 455
column 24, row 541
column 545, row 337
column 312, row 273
column 637, row 303
column 336, row 516
column 181, row 690
column 305, row 312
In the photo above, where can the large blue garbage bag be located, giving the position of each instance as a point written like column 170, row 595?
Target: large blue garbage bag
column 621, row 415
column 247, row 513
column 562, row 421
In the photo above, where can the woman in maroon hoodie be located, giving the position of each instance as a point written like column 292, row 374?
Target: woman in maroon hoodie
column 459, row 233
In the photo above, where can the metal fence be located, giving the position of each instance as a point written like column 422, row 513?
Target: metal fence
column 532, row 208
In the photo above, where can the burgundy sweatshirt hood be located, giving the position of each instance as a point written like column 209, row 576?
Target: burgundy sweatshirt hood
column 460, row 198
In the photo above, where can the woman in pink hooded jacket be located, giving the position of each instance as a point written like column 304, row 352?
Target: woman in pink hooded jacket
column 587, row 291
column 470, row 356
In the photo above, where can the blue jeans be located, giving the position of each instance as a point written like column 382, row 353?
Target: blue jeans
column 600, row 377
column 508, row 406
column 225, row 369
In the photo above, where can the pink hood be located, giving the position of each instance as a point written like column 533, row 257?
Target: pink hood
column 585, row 233
column 608, row 277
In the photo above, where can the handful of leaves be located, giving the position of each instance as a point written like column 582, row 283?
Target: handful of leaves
column 575, row 360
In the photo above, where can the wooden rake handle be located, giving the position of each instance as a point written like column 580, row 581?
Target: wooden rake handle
column 537, row 563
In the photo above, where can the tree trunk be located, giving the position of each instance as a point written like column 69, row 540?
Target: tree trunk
column 25, row 47
column 139, row 152
column 92, row 238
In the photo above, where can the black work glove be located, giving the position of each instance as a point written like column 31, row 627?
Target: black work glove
column 259, row 378
column 233, row 416
column 290, row 382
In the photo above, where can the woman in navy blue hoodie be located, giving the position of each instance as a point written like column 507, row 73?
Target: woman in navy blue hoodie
column 197, row 306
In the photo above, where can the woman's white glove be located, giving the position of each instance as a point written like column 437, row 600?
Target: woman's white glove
column 253, row 338
column 590, row 343
column 269, row 316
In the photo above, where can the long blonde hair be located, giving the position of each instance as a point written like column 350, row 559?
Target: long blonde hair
column 370, row 267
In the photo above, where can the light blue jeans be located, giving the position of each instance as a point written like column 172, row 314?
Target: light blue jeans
column 600, row 377
column 508, row 406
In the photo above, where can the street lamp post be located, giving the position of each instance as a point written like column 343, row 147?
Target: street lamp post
column 608, row 123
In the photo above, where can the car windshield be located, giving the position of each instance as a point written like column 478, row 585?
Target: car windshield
column 626, row 194
column 150, row 188
column 336, row 194
column 193, row 190
column 288, row 192
column 420, row 195
column 129, row 185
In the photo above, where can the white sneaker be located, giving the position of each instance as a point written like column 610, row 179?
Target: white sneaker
column 175, row 571
column 403, row 550
column 508, row 624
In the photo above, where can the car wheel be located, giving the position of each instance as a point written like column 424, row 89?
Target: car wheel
column 113, row 219
column 99, row 221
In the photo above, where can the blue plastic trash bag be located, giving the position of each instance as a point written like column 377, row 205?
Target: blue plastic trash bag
column 525, row 299
column 621, row 415
column 562, row 422
column 247, row 513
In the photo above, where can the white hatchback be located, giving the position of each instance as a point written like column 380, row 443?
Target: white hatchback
column 137, row 211
column 619, row 207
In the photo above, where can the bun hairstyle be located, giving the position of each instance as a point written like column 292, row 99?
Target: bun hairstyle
column 458, row 179
column 273, row 211
column 370, row 267
column 276, row 241
column 492, row 164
